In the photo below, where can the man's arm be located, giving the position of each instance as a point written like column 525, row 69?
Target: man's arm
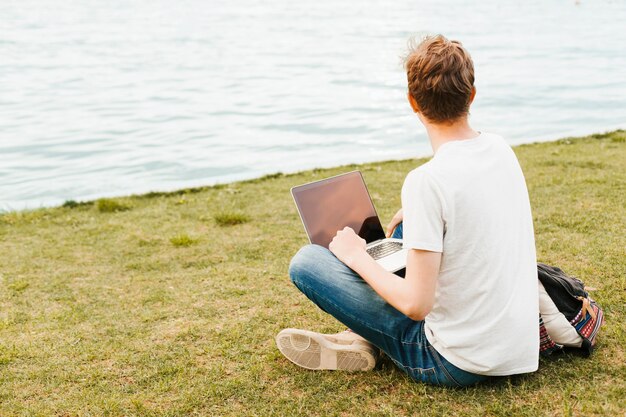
column 414, row 295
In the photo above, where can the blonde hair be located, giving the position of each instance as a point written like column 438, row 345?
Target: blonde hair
column 440, row 75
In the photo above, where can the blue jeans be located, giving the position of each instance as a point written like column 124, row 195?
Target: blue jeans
column 341, row 292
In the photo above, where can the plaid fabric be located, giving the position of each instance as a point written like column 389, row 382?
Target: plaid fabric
column 588, row 321
column 546, row 344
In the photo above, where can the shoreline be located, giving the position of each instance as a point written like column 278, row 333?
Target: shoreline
column 201, row 184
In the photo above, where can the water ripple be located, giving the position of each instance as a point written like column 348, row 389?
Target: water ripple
column 99, row 100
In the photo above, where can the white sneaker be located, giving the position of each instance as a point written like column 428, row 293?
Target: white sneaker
column 343, row 351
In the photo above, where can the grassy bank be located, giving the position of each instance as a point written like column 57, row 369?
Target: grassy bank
column 167, row 304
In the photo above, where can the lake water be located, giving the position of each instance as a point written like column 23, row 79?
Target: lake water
column 104, row 98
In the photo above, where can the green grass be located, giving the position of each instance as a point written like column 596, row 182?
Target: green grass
column 104, row 205
column 182, row 240
column 230, row 218
column 101, row 315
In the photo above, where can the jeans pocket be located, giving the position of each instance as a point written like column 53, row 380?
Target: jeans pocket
column 451, row 382
column 427, row 375
column 445, row 375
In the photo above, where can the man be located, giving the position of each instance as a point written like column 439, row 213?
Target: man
column 467, row 307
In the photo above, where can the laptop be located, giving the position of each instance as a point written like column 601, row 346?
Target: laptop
column 331, row 204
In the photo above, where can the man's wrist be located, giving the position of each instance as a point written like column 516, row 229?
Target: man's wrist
column 356, row 258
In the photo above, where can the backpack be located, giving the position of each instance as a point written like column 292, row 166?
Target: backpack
column 568, row 316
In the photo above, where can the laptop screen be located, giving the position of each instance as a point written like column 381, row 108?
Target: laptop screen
column 331, row 204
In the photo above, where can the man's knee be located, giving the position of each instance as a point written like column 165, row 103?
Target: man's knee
column 398, row 232
column 306, row 262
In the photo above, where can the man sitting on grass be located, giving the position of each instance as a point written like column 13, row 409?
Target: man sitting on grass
column 467, row 307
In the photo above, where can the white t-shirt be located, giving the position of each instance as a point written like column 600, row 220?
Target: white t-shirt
column 470, row 202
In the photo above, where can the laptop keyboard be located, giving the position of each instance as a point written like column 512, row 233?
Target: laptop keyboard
column 384, row 249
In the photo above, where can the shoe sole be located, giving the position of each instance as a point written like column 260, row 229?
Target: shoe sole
column 312, row 350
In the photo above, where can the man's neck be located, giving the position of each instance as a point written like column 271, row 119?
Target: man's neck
column 443, row 133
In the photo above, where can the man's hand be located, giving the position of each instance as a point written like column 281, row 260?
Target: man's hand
column 347, row 246
column 395, row 220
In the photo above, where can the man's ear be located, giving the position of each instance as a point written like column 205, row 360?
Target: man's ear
column 472, row 95
column 412, row 102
